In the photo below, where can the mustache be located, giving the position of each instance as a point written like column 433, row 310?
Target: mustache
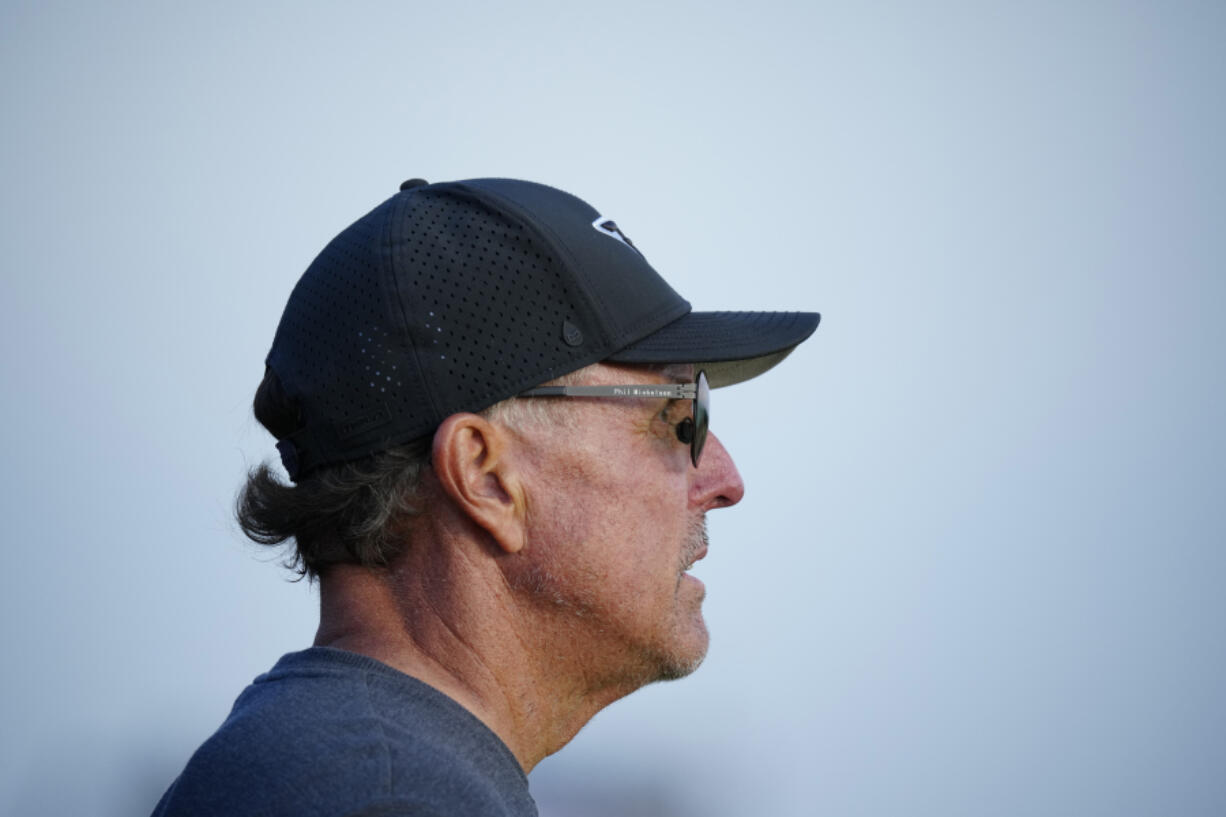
column 696, row 541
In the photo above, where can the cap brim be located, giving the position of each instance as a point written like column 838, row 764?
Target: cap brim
column 730, row 346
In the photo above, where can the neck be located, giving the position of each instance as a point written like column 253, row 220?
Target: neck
column 444, row 614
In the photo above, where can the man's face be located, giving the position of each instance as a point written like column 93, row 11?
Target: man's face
column 616, row 516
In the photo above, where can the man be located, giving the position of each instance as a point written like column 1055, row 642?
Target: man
column 494, row 415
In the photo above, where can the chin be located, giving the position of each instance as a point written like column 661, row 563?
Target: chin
column 686, row 657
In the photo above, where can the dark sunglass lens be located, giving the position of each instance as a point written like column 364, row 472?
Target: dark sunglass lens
column 702, row 407
column 685, row 431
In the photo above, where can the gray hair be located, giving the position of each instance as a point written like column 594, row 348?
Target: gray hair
column 356, row 512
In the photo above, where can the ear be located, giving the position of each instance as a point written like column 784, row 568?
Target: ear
column 471, row 464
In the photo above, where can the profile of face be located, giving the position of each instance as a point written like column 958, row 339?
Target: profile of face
column 616, row 515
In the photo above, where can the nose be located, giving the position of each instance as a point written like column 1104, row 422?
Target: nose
column 717, row 483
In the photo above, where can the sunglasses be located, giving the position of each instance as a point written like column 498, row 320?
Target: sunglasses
column 692, row 430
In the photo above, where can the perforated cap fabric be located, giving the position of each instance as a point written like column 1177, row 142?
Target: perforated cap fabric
column 451, row 297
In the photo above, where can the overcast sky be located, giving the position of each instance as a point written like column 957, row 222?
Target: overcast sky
column 979, row 566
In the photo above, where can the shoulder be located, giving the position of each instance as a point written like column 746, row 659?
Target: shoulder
column 326, row 732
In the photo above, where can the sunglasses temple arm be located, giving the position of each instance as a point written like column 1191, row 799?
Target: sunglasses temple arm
column 680, row 391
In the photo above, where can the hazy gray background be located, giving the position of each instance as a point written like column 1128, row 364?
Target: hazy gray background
column 980, row 565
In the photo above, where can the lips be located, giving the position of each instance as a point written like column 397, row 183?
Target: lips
column 701, row 554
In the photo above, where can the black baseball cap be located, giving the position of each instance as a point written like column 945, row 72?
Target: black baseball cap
column 451, row 297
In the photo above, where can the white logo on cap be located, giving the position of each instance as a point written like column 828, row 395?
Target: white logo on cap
column 608, row 226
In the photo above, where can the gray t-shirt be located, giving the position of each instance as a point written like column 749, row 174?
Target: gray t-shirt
column 329, row 732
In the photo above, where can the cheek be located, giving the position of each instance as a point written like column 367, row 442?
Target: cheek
column 565, row 519
column 611, row 514
column 606, row 548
